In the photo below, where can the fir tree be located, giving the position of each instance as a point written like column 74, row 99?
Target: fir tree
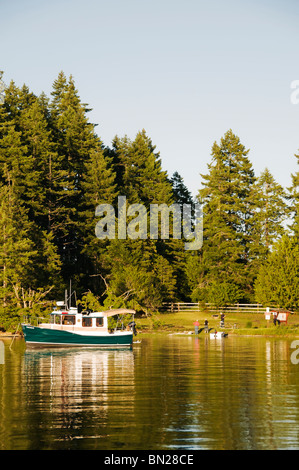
column 98, row 188
column 139, row 173
column 17, row 249
column 150, row 181
column 24, row 156
column 270, row 214
column 12, row 153
column 181, row 194
column 75, row 139
column 119, row 155
column 277, row 282
column 228, row 215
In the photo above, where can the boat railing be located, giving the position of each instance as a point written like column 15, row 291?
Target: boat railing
column 35, row 321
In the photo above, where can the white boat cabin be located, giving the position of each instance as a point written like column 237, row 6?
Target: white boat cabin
column 70, row 318
column 73, row 318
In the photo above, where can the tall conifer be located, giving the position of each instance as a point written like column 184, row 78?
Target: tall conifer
column 98, row 187
column 271, row 212
column 228, row 216
column 75, row 139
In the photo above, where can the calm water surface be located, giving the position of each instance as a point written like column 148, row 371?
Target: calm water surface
column 168, row 393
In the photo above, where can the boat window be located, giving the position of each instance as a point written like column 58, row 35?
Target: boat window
column 56, row 319
column 68, row 320
column 86, row 321
column 100, row 321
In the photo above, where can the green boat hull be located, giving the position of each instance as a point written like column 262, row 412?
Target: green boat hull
column 38, row 336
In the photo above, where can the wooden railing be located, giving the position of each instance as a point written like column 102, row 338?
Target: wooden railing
column 197, row 306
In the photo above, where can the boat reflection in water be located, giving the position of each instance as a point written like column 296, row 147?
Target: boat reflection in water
column 75, row 388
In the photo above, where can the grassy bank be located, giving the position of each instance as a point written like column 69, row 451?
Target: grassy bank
column 235, row 323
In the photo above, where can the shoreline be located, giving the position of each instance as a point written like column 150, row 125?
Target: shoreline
column 236, row 324
column 230, row 334
column 145, row 333
column 182, row 323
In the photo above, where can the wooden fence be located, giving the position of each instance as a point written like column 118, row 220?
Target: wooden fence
column 197, row 306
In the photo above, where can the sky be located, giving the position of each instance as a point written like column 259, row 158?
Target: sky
column 185, row 71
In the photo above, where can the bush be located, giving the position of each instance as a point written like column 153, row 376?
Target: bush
column 222, row 294
column 9, row 323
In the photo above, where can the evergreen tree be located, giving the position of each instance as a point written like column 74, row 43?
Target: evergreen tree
column 39, row 179
column 141, row 179
column 12, row 153
column 119, row 155
column 277, row 282
column 27, row 272
column 16, row 248
column 23, row 156
column 16, row 100
column 181, row 194
column 139, row 276
column 45, row 182
column 139, row 173
column 228, row 217
column 75, row 139
column 131, row 281
column 150, row 181
column 195, row 272
column 98, row 188
column 270, row 214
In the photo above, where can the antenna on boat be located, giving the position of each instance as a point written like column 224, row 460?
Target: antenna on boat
column 68, row 298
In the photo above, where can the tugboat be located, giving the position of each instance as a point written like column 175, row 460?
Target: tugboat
column 68, row 327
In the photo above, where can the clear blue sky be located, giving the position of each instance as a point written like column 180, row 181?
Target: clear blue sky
column 185, row 71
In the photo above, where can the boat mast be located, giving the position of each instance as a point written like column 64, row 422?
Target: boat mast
column 65, row 299
column 68, row 298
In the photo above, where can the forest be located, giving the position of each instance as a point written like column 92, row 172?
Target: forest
column 55, row 170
